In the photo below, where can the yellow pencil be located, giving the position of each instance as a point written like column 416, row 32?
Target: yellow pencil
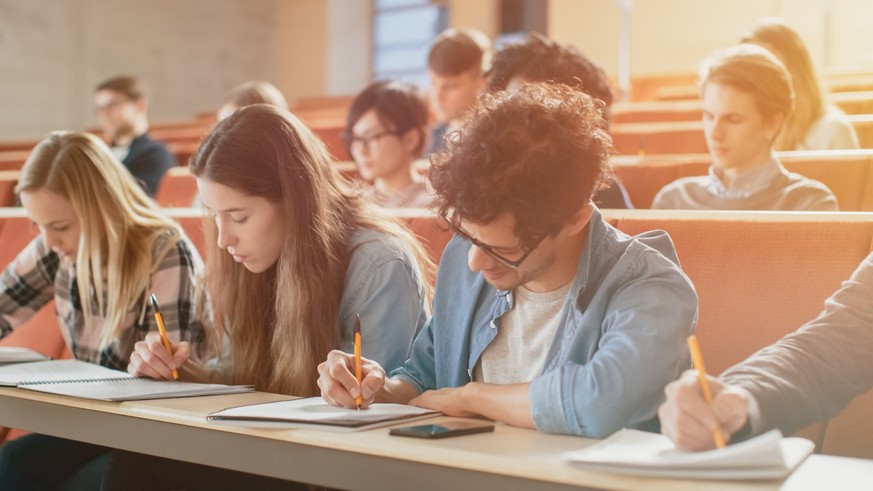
column 163, row 330
column 697, row 361
column 360, row 399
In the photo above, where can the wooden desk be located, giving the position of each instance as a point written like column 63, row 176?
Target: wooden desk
column 508, row 459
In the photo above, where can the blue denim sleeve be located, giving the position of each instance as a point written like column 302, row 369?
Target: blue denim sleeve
column 419, row 369
column 645, row 320
column 388, row 296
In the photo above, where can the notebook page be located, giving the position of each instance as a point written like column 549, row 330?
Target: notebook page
column 637, row 452
column 135, row 389
column 55, row 370
column 314, row 411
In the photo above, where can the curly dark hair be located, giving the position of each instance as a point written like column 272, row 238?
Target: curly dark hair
column 539, row 59
column 538, row 153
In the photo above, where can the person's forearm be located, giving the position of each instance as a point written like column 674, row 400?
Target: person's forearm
column 396, row 391
column 507, row 403
column 194, row 371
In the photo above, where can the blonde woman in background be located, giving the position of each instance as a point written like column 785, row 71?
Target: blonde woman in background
column 94, row 222
column 814, row 124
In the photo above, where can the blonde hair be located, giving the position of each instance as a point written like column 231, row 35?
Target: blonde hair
column 773, row 34
column 283, row 322
column 755, row 71
column 119, row 224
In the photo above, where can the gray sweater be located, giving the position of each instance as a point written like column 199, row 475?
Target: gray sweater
column 765, row 187
column 812, row 374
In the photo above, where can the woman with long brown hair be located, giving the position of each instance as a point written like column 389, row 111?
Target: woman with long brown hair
column 295, row 257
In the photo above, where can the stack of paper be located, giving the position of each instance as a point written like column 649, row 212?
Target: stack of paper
column 767, row 456
column 80, row 379
column 9, row 354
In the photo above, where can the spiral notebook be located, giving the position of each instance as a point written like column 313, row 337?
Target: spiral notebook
column 80, row 379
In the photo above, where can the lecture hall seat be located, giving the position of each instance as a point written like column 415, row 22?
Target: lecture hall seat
column 40, row 333
column 762, row 275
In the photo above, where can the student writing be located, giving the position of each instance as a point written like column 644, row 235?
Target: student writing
column 294, row 255
column 545, row 316
column 94, row 222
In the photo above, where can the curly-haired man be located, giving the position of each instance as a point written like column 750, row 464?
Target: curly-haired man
column 545, row 316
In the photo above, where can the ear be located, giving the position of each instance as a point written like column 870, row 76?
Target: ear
column 773, row 125
column 142, row 104
column 412, row 140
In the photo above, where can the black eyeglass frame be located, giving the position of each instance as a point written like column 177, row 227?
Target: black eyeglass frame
column 487, row 249
column 350, row 139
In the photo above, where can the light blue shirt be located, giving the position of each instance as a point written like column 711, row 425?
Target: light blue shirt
column 387, row 291
column 382, row 286
column 621, row 333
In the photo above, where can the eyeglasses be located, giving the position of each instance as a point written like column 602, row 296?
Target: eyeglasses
column 351, row 139
column 110, row 106
column 487, row 249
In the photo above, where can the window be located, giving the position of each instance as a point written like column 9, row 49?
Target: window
column 519, row 17
column 402, row 30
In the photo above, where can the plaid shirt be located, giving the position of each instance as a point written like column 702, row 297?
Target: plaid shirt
column 37, row 276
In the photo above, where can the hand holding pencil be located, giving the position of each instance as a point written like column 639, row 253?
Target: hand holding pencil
column 360, row 399
column 692, row 422
column 348, row 379
column 163, row 330
column 156, row 356
column 697, row 362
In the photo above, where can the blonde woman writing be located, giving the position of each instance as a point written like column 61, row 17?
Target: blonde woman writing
column 94, row 222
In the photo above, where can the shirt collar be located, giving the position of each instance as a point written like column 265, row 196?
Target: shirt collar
column 595, row 230
column 746, row 184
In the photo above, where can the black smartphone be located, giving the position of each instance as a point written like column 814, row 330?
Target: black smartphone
column 442, row 430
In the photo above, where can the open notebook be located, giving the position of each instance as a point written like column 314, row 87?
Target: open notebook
column 10, row 354
column 80, row 379
column 313, row 412
column 767, row 456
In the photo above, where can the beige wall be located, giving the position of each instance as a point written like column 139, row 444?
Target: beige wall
column 349, row 40
column 190, row 52
column 476, row 14
column 303, row 42
column 673, row 35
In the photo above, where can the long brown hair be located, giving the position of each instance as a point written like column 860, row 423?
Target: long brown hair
column 283, row 322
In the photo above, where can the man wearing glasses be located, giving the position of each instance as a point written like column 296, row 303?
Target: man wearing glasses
column 122, row 112
column 545, row 316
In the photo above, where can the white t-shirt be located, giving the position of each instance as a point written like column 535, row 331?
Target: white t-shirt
column 518, row 353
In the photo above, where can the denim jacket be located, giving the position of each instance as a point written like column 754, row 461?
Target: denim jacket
column 621, row 335
column 382, row 286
